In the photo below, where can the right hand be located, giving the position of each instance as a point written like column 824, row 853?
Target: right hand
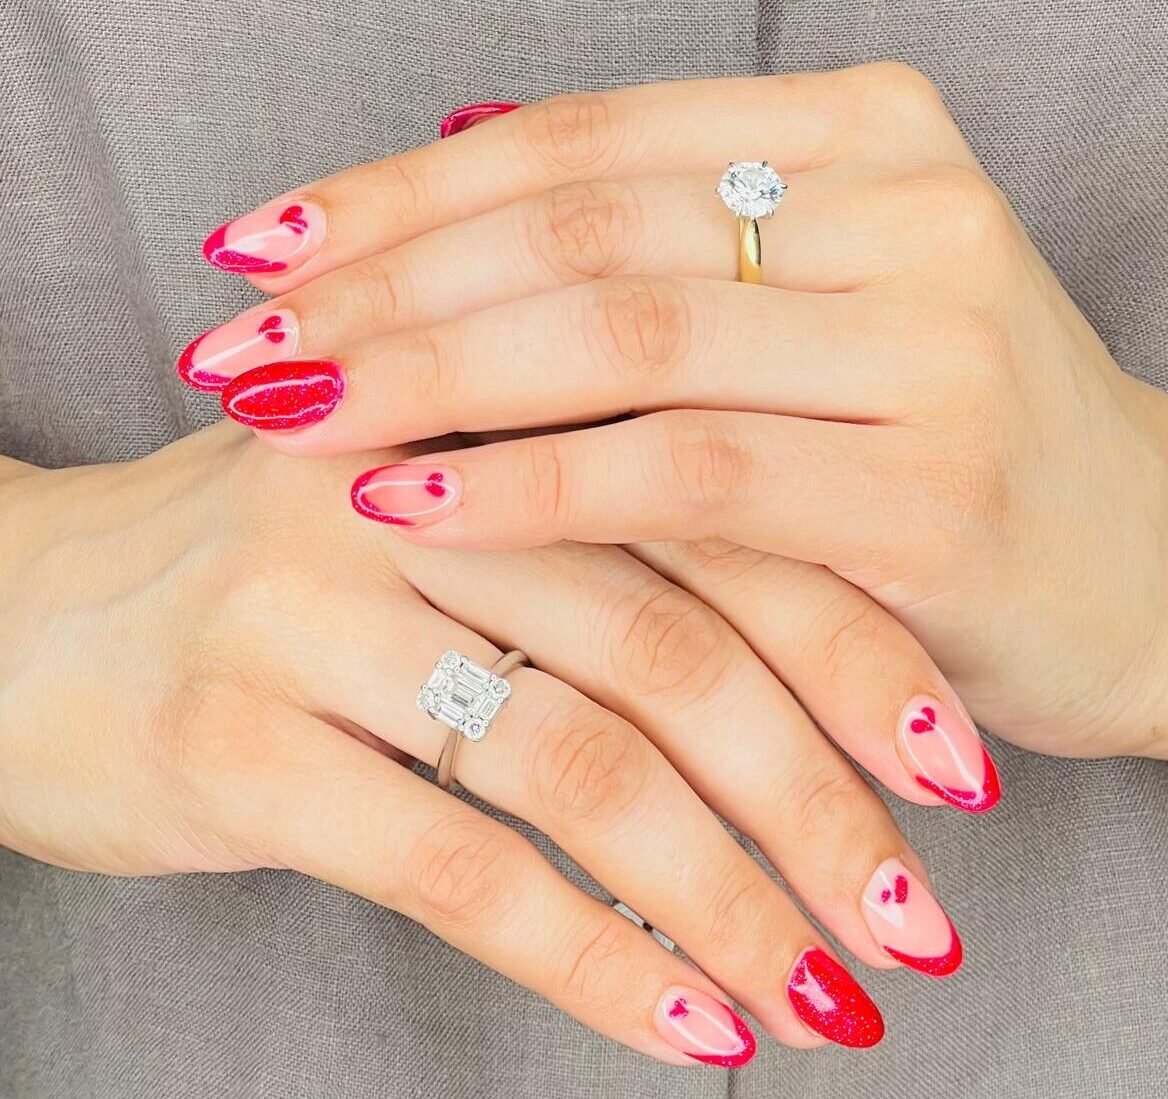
column 210, row 664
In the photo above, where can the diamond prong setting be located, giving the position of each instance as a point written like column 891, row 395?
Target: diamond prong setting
column 751, row 189
column 463, row 695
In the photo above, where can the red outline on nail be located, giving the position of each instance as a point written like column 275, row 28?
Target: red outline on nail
column 287, row 406
column 981, row 801
column 218, row 254
column 193, row 375
column 471, row 115
column 941, row 966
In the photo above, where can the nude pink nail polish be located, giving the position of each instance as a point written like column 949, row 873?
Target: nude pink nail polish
column 908, row 923
column 255, row 338
column 943, row 751
column 466, row 117
column 274, row 239
column 703, row 1028
column 407, row 495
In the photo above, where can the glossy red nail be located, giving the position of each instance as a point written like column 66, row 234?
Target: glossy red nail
column 466, row 117
column 944, row 752
column 828, row 1001
column 703, row 1028
column 407, row 495
column 285, row 395
column 250, row 340
column 275, row 238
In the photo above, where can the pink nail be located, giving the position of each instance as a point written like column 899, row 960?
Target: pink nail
column 253, row 339
column 275, row 238
column 906, row 920
column 466, row 117
column 407, row 495
column 943, row 751
column 703, row 1028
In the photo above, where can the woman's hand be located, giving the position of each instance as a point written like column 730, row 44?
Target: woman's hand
column 211, row 664
column 913, row 401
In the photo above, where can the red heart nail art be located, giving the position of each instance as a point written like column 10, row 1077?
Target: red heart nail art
column 294, row 218
column 434, row 485
column 271, row 329
column 925, row 724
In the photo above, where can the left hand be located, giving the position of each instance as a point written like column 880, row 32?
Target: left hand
column 913, row 401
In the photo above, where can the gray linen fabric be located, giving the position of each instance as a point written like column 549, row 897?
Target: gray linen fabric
column 127, row 129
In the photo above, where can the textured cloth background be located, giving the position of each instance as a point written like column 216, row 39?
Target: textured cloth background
column 128, row 128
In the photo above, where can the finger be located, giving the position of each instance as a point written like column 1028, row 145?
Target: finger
column 818, row 491
column 837, row 229
column 605, row 795
column 796, row 121
column 855, row 669
column 662, row 658
column 587, row 353
column 329, row 807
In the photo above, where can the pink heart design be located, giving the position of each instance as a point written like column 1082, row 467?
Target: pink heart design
column 272, row 331
column 294, row 218
column 434, row 485
column 679, row 1010
column 925, row 724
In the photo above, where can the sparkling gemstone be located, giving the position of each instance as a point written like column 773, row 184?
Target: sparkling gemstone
column 463, row 696
column 751, row 189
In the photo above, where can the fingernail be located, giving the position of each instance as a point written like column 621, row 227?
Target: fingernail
column 407, row 495
column 908, row 923
column 828, row 1001
column 703, row 1028
column 466, row 117
column 943, row 751
column 284, row 395
column 254, row 339
column 275, row 238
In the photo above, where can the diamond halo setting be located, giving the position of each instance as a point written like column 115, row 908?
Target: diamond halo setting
column 751, row 189
column 463, row 695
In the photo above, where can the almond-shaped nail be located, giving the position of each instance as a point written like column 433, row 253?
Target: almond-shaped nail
column 908, row 923
column 274, row 239
column 829, row 1002
column 942, row 750
column 407, row 495
column 253, row 339
column 466, row 117
column 282, row 396
column 709, row 1031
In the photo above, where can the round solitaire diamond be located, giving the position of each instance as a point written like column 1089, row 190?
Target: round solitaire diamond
column 751, row 189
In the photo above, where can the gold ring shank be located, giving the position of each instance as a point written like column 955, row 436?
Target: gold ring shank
column 749, row 251
column 502, row 668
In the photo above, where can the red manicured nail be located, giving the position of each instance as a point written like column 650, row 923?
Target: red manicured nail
column 253, row 339
column 945, row 754
column 906, row 920
column 828, row 1001
column 407, row 495
column 275, row 238
column 284, row 395
column 703, row 1028
column 466, row 117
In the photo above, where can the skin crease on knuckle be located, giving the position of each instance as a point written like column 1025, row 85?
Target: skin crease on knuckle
column 585, row 230
column 703, row 462
column 571, row 135
column 639, row 327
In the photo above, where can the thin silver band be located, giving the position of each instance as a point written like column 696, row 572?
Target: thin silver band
column 502, row 668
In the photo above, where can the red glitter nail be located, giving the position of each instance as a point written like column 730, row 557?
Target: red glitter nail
column 828, row 1001
column 284, row 395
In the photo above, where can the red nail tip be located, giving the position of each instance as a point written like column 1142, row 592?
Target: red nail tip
column 284, row 395
column 217, row 253
column 972, row 801
column 466, row 117
column 942, row 966
column 828, row 1000
column 735, row 1060
column 206, row 381
column 406, row 495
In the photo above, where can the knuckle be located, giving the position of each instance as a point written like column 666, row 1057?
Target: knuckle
column 668, row 641
column 585, row 764
column 641, row 326
column 377, row 294
column 901, row 88
column 429, row 361
column 585, row 230
column 390, row 185
column 822, row 801
column 546, row 484
column 847, row 629
column 737, row 911
column 705, row 458
column 968, row 496
column 570, row 134
column 458, row 871
column 594, row 962
column 962, row 201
